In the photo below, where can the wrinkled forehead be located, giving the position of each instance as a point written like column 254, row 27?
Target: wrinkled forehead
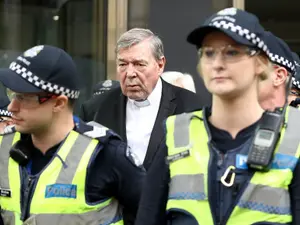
column 137, row 52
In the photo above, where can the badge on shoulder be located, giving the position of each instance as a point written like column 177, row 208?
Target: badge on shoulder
column 9, row 129
column 97, row 130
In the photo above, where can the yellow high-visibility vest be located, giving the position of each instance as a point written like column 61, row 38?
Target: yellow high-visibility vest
column 59, row 195
column 266, row 198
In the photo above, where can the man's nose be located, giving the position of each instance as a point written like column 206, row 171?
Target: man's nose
column 130, row 71
column 13, row 106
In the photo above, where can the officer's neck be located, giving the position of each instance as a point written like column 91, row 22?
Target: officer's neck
column 53, row 134
column 235, row 114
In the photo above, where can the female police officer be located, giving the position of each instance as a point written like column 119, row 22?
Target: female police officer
column 207, row 179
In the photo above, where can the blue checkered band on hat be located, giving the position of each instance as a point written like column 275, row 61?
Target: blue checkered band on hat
column 282, row 61
column 43, row 85
column 296, row 83
column 243, row 32
column 5, row 113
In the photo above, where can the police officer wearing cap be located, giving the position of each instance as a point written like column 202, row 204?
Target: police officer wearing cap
column 56, row 169
column 5, row 116
column 207, row 178
column 275, row 89
column 294, row 95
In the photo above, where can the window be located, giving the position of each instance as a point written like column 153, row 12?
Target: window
column 77, row 26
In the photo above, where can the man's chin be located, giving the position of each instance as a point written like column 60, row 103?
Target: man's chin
column 137, row 95
column 21, row 129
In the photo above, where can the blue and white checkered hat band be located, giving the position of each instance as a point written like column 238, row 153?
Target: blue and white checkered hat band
column 296, row 83
column 282, row 61
column 243, row 32
column 4, row 112
column 43, row 85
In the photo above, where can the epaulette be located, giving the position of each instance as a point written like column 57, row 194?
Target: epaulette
column 97, row 131
column 8, row 130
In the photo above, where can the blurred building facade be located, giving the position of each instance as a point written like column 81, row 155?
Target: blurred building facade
column 89, row 29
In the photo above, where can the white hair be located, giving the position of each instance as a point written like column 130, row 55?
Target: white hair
column 137, row 35
column 183, row 80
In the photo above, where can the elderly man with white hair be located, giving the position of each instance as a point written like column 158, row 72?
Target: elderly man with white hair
column 136, row 110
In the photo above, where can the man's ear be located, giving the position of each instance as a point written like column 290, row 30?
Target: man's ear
column 61, row 102
column 161, row 64
column 281, row 75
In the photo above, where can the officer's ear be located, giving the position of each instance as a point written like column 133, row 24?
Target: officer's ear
column 61, row 102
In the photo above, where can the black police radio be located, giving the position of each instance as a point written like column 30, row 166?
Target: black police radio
column 267, row 135
column 265, row 140
column 20, row 153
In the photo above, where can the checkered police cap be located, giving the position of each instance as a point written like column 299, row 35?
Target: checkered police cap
column 280, row 53
column 296, row 83
column 4, row 112
column 43, row 68
column 296, row 78
column 4, row 102
column 241, row 26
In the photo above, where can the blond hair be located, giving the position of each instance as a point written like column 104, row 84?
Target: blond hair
column 264, row 61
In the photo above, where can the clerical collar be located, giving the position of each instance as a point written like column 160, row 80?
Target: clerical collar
column 142, row 104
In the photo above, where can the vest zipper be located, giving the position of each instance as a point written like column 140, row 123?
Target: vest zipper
column 28, row 193
column 241, row 191
column 221, row 206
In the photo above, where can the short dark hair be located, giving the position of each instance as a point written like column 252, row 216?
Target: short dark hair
column 71, row 103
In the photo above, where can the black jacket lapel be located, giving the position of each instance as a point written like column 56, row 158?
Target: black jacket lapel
column 121, row 108
column 167, row 107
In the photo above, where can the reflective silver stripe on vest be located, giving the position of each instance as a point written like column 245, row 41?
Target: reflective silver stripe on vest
column 269, row 199
column 91, row 218
column 8, row 217
column 187, row 187
column 5, row 147
column 266, row 199
column 67, row 174
column 291, row 139
column 182, row 130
